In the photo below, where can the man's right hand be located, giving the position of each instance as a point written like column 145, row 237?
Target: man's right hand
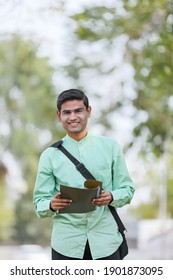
column 58, row 203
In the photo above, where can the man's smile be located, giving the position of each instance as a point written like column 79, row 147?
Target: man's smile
column 73, row 124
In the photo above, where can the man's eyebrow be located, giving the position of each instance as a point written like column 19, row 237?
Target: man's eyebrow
column 68, row 110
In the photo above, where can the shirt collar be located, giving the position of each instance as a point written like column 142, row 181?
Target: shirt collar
column 70, row 139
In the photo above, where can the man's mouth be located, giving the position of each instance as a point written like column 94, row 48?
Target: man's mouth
column 73, row 124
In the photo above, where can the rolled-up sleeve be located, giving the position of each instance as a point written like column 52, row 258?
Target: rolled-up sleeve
column 122, row 185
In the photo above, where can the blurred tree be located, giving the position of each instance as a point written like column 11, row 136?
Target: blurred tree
column 6, row 212
column 28, row 123
column 145, row 31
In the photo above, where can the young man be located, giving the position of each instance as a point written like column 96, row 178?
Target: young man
column 91, row 235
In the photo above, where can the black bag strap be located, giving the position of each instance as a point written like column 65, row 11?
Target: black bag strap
column 79, row 166
column 86, row 174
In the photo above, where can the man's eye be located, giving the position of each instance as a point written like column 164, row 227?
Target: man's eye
column 79, row 110
column 66, row 112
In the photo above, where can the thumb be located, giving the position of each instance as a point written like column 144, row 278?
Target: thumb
column 57, row 195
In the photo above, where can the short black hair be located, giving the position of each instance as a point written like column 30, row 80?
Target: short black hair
column 72, row 94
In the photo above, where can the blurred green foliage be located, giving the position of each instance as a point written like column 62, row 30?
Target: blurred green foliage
column 28, row 98
column 28, row 109
column 148, row 27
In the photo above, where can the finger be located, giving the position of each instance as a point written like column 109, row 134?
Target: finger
column 101, row 201
column 59, row 205
column 61, row 201
column 57, row 195
column 64, row 200
column 106, row 195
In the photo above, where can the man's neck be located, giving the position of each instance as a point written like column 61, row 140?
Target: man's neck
column 78, row 136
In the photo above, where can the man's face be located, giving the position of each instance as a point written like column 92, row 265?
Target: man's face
column 74, row 117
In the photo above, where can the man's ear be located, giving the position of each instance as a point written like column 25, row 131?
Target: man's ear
column 58, row 114
column 89, row 111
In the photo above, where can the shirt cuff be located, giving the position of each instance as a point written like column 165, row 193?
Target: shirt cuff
column 120, row 198
column 43, row 209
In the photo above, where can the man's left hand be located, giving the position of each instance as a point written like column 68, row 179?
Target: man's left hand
column 104, row 198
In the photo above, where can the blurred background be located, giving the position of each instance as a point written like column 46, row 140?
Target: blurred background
column 121, row 54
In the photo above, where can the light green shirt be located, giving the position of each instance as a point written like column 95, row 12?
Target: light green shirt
column 103, row 157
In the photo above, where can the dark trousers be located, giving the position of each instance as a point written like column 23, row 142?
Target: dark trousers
column 87, row 255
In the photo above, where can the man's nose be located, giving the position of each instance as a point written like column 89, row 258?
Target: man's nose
column 73, row 116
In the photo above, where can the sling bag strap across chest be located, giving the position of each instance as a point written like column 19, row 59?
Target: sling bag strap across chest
column 86, row 174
